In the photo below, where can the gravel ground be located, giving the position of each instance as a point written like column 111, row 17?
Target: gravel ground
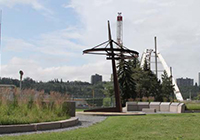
column 84, row 121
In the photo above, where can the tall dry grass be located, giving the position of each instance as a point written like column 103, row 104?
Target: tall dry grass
column 30, row 106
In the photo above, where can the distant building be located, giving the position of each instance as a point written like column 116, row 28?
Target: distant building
column 185, row 82
column 96, row 79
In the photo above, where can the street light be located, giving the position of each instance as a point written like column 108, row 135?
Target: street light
column 21, row 74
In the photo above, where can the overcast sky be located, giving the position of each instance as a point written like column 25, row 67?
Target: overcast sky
column 46, row 38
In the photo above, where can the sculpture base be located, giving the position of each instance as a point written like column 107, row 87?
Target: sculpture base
column 112, row 109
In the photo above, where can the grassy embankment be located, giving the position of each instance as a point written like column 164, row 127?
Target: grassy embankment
column 192, row 105
column 149, row 127
column 29, row 106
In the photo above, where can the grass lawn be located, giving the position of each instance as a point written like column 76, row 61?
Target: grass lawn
column 149, row 127
column 80, row 110
column 193, row 106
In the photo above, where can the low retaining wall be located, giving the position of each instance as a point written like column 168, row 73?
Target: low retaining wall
column 38, row 126
column 159, row 106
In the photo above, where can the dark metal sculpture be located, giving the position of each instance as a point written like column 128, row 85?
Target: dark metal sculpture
column 120, row 52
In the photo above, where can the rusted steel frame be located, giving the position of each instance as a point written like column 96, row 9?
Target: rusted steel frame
column 113, row 54
column 109, row 49
column 101, row 44
column 115, row 78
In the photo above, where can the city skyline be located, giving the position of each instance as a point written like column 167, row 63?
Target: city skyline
column 46, row 39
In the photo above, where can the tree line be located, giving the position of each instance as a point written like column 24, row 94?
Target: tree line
column 136, row 83
column 77, row 89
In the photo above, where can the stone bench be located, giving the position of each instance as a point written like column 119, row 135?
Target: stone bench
column 174, row 107
column 181, row 108
column 155, row 105
column 165, row 106
column 158, row 106
column 149, row 110
column 142, row 105
column 132, row 106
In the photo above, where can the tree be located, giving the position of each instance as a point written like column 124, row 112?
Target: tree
column 147, row 84
column 167, row 87
column 126, row 81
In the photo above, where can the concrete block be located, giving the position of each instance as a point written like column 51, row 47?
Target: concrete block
column 124, row 109
column 70, row 108
column 164, row 106
column 4, row 129
column 181, row 108
column 174, row 107
column 48, row 125
column 142, row 105
column 149, row 110
column 132, row 106
column 155, row 105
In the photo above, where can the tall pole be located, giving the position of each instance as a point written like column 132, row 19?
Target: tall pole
column 21, row 74
column 0, row 40
column 156, row 64
column 115, row 78
column 171, row 73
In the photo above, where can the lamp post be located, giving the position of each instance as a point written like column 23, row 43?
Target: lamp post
column 21, row 74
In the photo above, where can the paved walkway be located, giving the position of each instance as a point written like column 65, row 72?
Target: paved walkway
column 84, row 121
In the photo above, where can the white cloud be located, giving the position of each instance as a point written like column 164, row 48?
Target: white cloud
column 35, row 4
column 61, row 42
column 35, row 71
column 55, row 55
column 17, row 45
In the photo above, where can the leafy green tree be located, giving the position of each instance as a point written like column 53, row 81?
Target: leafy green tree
column 167, row 87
